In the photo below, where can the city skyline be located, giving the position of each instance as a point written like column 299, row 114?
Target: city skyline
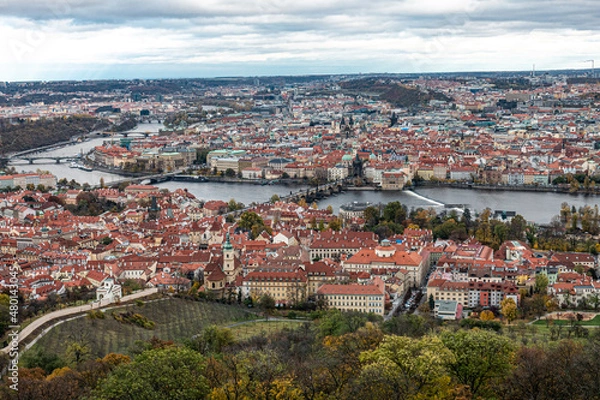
column 102, row 40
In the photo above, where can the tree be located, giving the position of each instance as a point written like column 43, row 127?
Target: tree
column 302, row 203
column 234, row 205
column 102, row 183
column 541, row 283
column 212, row 340
column 258, row 374
column 466, row 218
column 394, row 212
column 402, row 367
column 335, row 224
column 484, row 232
column 517, row 228
column 77, row 352
column 201, row 156
column 371, row 215
column 43, row 359
column 156, row 374
column 480, row 357
column 230, row 173
column 509, row 309
column 486, row 315
column 266, row 304
column 252, row 222
column 274, row 199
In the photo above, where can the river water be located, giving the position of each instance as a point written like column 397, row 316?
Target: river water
column 63, row 170
column 537, row 207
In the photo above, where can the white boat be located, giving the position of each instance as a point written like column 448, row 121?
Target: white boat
column 85, row 168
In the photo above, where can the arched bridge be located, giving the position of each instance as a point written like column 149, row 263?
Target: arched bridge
column 317, row 192
column 56, row 159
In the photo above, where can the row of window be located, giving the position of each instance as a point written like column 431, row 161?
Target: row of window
column 354, row 304
column 354, row 297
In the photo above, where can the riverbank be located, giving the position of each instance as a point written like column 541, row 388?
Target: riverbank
column 565, row 189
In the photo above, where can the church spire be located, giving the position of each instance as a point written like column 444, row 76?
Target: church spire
column 227, row 245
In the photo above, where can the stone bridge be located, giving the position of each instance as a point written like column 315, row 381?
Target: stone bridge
column 57, row 160
column 317, row 192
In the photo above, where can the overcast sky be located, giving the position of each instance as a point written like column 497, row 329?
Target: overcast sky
column 96, row 39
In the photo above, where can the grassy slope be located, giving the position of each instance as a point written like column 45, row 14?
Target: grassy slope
column 175, row 320
column 263, row 328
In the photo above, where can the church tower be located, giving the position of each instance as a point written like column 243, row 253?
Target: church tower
column 229, row 260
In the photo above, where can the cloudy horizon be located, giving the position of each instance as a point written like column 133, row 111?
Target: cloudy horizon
column 92, row 39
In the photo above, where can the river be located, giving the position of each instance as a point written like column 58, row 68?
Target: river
column 537, row 207
column 63, row 170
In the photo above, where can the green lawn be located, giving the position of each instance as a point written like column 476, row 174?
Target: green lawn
column 592, row 322
column 175, row 319
column 263, row 328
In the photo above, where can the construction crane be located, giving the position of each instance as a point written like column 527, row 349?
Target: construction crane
column 593, row 70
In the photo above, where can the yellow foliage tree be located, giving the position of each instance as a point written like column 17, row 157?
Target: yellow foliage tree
column 486, row 315
column 508, row 309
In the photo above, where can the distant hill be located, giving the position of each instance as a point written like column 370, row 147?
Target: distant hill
column 394, row 93
column 583, row 80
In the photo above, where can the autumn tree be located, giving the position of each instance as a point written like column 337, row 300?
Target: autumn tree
column 335, row 224
column 481, row 358
column 234, row 205
column 167, row 373
column 541, row 283
column 252, row 222
column 508, row 309
column 212, row 340
column 484, row 230
column 403, row 367
column 486, row 315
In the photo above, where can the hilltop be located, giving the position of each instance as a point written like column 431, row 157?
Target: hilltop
column 395, row 93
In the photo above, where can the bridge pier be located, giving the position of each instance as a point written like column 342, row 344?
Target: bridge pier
column 30, row 161
column 58, row 160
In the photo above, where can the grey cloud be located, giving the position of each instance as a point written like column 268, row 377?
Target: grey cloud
column 329, row 17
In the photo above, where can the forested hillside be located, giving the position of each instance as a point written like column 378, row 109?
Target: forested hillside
column 392, row 92
column 26, row 135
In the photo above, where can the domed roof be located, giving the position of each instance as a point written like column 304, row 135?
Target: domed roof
column 347, row 157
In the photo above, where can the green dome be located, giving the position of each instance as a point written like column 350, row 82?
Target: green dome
column 347, row 157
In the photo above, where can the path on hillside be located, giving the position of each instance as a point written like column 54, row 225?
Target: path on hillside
column 29, row 329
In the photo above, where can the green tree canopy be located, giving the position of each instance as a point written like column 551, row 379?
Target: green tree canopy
column 402, row 368
column 157, row 374
column 480, row 357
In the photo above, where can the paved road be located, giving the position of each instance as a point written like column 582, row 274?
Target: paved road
column 28, row 330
